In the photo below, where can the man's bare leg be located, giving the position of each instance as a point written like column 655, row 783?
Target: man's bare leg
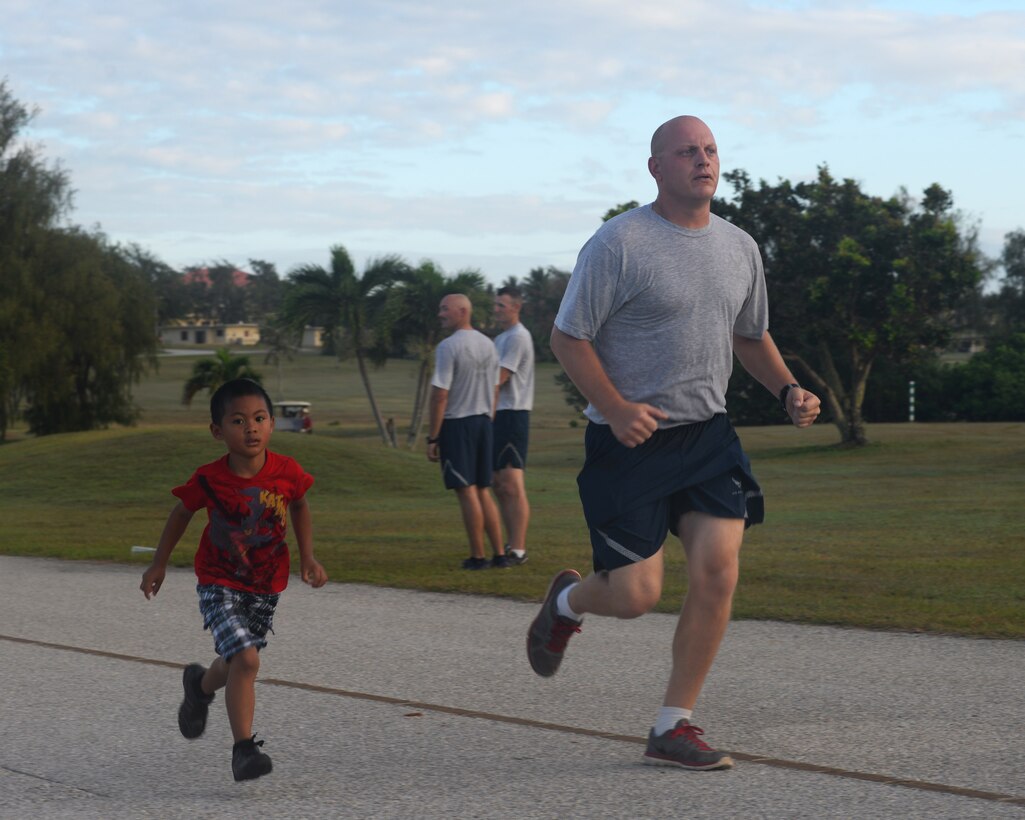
column 473, row 518
column 492, row 524
column 712, row 546
column 625, row 592
column 512, row 499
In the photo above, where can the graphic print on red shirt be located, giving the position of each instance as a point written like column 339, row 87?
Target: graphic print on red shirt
column 243, row 545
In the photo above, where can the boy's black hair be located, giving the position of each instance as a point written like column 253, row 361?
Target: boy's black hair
column 236, row 389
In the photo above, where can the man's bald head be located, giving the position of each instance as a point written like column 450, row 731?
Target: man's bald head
column 455, row 311
column 664, row 133
column 684, row 163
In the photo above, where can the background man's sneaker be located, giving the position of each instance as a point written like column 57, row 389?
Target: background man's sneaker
column 475, row 563
column 682, row 746
column 550, row 631
column 247, row 761
column 500, row 562
column 193, row 711
column 515, row 557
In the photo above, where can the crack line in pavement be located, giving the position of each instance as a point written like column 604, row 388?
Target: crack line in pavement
column 52, row 781
column 778, row 763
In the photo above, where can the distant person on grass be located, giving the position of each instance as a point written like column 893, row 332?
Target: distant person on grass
column 513, row 402
column 460, row 436
column 660, row 300
column 242, row 561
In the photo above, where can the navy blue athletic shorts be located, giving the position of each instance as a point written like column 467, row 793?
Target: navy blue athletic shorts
column 465, row 448
column 633, row 497
column 512, row 431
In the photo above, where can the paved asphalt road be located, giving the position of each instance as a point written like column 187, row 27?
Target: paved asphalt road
column 388, row 703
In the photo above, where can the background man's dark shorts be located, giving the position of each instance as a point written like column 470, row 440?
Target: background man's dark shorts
column 465, row 447
column 511, row 434
column 633, row 497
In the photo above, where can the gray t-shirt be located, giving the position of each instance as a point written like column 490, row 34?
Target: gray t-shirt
column 466, row 365
column 516, row 354
column 660, row 304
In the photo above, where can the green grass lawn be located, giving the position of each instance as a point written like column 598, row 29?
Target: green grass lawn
column 918, row 531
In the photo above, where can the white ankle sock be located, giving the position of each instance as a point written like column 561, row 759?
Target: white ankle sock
column 562, row 605
column 668, row 717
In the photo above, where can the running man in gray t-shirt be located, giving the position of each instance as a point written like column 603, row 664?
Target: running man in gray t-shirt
column 460, row 436
column 660, row 300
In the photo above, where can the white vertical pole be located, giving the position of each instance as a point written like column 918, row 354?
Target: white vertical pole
column 911, row 401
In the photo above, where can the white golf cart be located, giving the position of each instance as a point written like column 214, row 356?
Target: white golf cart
column 293, row 417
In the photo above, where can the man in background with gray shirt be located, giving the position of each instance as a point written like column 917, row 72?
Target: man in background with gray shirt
column 513, row 403
column 660, row 300
column 460, row 437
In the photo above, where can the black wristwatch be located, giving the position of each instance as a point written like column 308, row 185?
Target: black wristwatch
column 433, row 440
column 784, row 393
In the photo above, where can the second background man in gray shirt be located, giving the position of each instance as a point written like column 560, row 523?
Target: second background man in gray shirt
column 513, row 403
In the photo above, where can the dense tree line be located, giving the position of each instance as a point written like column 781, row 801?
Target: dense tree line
column 865, row 292
column 858, row 285
column 913, row 345
column 390, row 309
column 855, row 280
column 76, row 312
column 864, row 286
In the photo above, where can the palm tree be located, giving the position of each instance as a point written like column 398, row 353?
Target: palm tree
column 344, row 304
column 209, row 374
column 281, row 342
column 410, row 316
column 542, row 294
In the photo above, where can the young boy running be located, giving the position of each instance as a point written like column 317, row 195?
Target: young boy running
column 242, row 561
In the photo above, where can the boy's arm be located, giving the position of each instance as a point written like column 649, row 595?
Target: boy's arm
column 310, row 569
column 174, row 529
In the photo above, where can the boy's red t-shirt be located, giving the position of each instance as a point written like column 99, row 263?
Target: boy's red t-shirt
column 243, row 545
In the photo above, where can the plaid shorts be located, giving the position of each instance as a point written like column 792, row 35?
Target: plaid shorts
column 235, row 618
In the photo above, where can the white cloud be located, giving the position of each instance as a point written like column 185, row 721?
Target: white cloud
column 483, row 117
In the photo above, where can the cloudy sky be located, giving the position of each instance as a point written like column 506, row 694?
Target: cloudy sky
column 495, row 135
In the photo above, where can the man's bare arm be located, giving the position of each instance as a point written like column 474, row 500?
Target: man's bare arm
column 632, row 423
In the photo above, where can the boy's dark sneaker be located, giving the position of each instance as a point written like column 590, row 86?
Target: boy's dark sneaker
column 500, row 562
column 682, row 746
column 475, row 563
column 550, row 631
column 192, row 713
column 247, row 761
column 514, row 559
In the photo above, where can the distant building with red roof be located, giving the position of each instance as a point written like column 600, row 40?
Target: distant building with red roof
column 182, row 332
column 238, row 277
column 193, row 331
